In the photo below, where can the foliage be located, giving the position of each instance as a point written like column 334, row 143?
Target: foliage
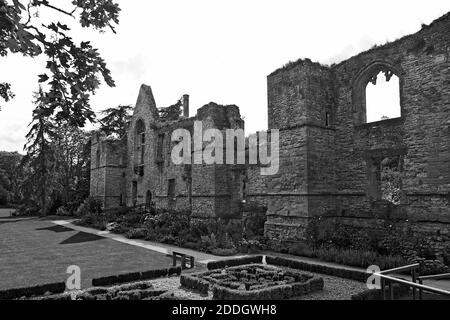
column 40, row 155
column 4, row 196
column 253, row 224
column 62, row 211
column 170, row 113
column 391, row 180
column 172, row 227
column 115, row 120
column 136, row 233
column 10, row 177
column 5, row 92
column 350, row 257
column 57, row 163
column 72, row 70
column 90, row 206
column 387, row 245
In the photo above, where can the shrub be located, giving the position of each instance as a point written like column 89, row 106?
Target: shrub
column 253, row 224
column 62, row 211
column 136, row 233
column 4, row 196
column 223, row 252
column 233, row 262
column 89, row 206
column 29, row 210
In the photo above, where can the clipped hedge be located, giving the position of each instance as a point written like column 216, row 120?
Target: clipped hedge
column 194, row 283
column 135, row 276
column 233, row 262
column 356, row 275
column 271, row 293
column 53, row 288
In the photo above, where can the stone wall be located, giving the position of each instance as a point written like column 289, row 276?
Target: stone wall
column 328, row 151
column 329, row 155
column 208, row 191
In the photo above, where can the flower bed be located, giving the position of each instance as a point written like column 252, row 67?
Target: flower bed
column 32, row 291
column 134, row 291
column 253, row 282
column 136, row 276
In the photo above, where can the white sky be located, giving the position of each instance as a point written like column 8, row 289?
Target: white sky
column 219, row 51
column 383, row 99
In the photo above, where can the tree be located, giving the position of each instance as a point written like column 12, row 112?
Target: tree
column 115, row 120
column 170, row 113
column 57, row 163
column 40, row 156
column 72, row 164
column 72, row 70
column 10, row 176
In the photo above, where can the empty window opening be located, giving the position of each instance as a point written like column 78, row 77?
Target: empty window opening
column 140, row 142
column 134, row 192
column 171, row 194
column 97, row 158
column 171, row 188
column 385, row 179
column 327, row 119
column 383, row 97
column 160, row 148
column 390, row 180
column 148, row 197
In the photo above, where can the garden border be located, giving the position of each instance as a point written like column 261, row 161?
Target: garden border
column 234, row 262
column 28, row 292
column 357, row 275
column 135, row 276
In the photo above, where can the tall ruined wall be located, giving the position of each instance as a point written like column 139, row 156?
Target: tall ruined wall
column 421, row 136
column 301, row 97
column 152, row 183
column 165, row 170
column 215, row 187
column 108, row 166
column 208, row 190
column 328, row 153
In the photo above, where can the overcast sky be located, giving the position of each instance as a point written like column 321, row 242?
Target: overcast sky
column 219, row 51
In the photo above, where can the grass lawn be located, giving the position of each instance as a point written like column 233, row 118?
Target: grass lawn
column 35, row 251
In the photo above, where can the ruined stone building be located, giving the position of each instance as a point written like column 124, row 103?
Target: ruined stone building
column 140, row 170
column 332, row 156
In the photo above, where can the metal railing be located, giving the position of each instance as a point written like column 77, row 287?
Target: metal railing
column 432, row 277
column 387, row 281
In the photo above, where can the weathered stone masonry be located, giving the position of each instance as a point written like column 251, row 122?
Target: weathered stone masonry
column 328, row 154
column 328, row 151
column 140, row 170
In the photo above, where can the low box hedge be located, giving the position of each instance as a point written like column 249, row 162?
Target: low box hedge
column 356, row 275
column 233, row 262
column 135, row 276
column 280, row 292
column 53, row 288
column 194, row 283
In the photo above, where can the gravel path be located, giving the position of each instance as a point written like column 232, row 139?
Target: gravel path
column 334, row 289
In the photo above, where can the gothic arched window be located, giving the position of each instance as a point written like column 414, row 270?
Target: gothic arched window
column 377, row 93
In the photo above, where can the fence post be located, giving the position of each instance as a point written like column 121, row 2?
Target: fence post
column 414, row 279
column 420, row 290
column 391, row 290
column 383, row 289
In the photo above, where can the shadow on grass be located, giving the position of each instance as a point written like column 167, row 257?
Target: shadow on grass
column 81, row 237
column 57, row 229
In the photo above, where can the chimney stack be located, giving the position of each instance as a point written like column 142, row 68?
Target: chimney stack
column 186, row 106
